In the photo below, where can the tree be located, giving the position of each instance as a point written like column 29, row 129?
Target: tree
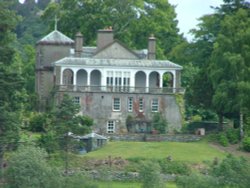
column 130, row 19
column 28, row 167
column 229, row 68
column 232, row 172
column 67, row 122
column 159, row 123
column 31, row 27
column 221, row 43
column 150, row 175
column 11, row 82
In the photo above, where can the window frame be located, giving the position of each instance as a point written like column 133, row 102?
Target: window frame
column 130, row 104
column 155, row 105
column 141, row 104
column 111, row 126
column 115, row 104
column 76, row 100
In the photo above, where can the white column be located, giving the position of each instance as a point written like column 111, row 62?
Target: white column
column 161, row 80
column 88, row 88
column 61, row 76
column 74, row 79
column 132, row 81
column 147, row 82
column 88, row 77
column 103, row 80
column 174, row 82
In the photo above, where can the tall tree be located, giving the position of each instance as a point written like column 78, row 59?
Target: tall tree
column 11, row 83
column 222, row 41
column 67, row 122
column 28, row 167
column 133, row 21
column 230, row 63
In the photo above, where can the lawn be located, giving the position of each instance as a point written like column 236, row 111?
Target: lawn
column 194, row 152
column 127, row 185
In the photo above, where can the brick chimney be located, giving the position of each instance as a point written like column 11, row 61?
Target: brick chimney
column 104, row 37
column 151, row 47
column 78, row 44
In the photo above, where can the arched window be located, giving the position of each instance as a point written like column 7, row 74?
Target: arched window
column 154, row 80
column 81, row 78
column 95, row 80
column 140, row 81
column 68, row 77
column 168, row 79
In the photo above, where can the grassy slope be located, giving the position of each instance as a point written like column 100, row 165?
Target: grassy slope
column 194, row 152
column 127, row 185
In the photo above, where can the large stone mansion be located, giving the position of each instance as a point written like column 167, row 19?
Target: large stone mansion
column 110, row 81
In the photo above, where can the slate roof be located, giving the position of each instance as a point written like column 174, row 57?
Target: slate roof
column 56, row 37
column 85, row 62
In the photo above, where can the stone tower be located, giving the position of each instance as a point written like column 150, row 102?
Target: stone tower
column 49, row 49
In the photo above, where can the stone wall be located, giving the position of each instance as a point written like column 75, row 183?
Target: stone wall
column 99, row 106
column 155, row 138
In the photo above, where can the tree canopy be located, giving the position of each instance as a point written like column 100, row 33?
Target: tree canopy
column 133, row 21
column 11, row 82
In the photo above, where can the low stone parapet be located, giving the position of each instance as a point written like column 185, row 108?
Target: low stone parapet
column 155, row 138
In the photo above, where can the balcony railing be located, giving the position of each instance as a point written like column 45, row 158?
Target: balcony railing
column 119, row 89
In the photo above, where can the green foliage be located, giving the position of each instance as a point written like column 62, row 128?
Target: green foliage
column 129, row 19
column 223, row 139
column 229, row 136
column 11, row 82
column 28, row 168
column 246, row 144
column 174, row 167
column 196, row 181
column 233, row 135
column 49, row 141
column 78, row 180
column 150, row 175
column 232, row 172
column 38, row 122
column 207, row 125
column 30, row 28
column 159, row 123
column 67, row 122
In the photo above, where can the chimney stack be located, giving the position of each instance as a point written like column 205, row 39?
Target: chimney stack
column 78, row 44
column 104, row 37
column 151, row 47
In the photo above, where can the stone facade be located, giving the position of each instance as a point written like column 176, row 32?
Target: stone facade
column 110, row 82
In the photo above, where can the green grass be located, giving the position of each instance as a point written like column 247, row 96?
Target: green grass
column 127, row 185
column 194, row 152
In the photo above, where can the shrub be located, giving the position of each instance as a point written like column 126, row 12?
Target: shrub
column 150, row 175
column 233, row 135
column 174, row 167
column 232, row 172
column 207, row 125
column 78, row 180
column 159, row 123
column 38, row 122
column 223, row 140
column 28, row 167
column 246, row 144
column 48, row 141
column 196, row 181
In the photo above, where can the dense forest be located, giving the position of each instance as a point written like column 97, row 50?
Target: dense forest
column 216, row 63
